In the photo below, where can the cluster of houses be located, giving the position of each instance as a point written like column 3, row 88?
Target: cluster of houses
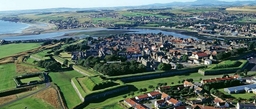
column 152, row 49
column 163, row 100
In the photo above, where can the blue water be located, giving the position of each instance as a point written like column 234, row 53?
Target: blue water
column 11, row 27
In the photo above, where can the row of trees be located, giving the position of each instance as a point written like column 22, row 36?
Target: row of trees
column 100, row 65
column 224, row 55
column 228, row 65
column 50, row 65
column 80, row 47
column 120, row 69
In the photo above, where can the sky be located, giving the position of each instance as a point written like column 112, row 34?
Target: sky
column 42, row 4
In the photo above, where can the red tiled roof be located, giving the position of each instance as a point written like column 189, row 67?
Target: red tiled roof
column 187, row 83
column 164, row 95
column 160, row 101
column 130, row 101
column 139, row 106
column 218, row 100
column 165, row 87
column 174, row 101
column 143, row 96
column 154, row 93
column 132, row 50
column 205, row 107
column 180, row 107
column 217, row 79
column 202, row 54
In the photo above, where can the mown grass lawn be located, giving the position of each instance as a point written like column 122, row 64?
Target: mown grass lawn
column 7, row 72
column 63, row 80
column 240, row 95
column 110, row 103
column 42, row 54
column 27, row 80
column 10, row 49
column 173, row 79
column 113, row 106
column 30, row 103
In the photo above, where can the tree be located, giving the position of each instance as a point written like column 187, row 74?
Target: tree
column 207, row 88
column 163, row 66
column 225, row 75
column 124, row 96
column 238, row 71
column 213, row 91
column 179, row 66
column 220, row 55
column 151, row 87
column 245, row 71
column 184, row 58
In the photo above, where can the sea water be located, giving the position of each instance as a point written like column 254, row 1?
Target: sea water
column 12, row 27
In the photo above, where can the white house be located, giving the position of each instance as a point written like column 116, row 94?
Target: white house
column 220, row 103
column 154, row 94
column 207, row 62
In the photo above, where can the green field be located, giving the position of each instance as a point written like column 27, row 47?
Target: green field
column 225, row 64
column 241, row 95
column 95, row 83
column 108, row 103
column 10, row 49
column 41, row 55
column 27, row 80
column 113, row 106
column 175, row 79
column 30, row 61
column 7, row 72
column 63, row 80
column 30, row 103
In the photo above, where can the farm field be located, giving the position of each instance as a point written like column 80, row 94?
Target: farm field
column 242, row 9
column 11, row 49
column 63, row 80
column 7, row 72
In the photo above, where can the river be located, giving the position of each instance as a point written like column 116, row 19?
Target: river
column 61, row 33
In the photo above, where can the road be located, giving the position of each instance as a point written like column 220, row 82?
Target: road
column 47, row 84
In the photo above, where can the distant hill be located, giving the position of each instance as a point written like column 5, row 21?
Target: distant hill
column 150, row 6
column 206, row 3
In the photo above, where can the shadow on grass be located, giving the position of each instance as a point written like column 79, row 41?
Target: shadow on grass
column 62, row 96
column 102, row 99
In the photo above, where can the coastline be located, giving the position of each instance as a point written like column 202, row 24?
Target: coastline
column 33, row 29
column 42, row 27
